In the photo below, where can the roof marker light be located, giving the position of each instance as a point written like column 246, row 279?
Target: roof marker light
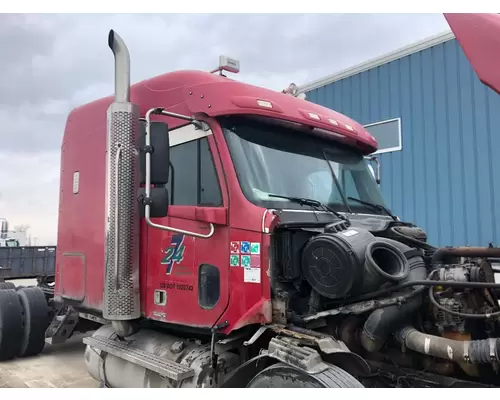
column 264, row 103
column 314, row 116
column 349, row 128
column 333, row 122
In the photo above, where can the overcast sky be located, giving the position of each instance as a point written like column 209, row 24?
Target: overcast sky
column 52, row 63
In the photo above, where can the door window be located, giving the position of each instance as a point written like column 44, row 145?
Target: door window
column 193, row 178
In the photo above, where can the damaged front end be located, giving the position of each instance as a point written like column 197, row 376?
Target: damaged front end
column 389, row 297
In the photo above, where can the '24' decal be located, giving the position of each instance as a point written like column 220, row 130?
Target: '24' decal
column 174, row 253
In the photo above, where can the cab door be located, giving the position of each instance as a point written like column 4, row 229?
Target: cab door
column 188, row 276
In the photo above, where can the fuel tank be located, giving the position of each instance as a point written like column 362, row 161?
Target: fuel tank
column 116, row 372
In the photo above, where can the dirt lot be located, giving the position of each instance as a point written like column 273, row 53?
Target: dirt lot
column 59, row 366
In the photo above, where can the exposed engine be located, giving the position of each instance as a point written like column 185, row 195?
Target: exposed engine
column 393, row 298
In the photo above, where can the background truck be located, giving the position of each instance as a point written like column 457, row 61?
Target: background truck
column 218, row 234
column 27, row 262
column 9, row 242
column 18, row 261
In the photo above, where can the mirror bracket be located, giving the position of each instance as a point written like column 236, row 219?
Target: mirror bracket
column 146, row 199
column 377, row 162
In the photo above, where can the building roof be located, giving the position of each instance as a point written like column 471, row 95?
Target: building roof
column 384, row 59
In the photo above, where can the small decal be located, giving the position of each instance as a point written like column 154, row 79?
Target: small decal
column 245, row 261
column 234, row 261
column 182, row 270
column 159, row 315
column 245, row 247
column 255, row 261
column 176, row 286
column 349, row 233
column 252, row 275
column 174, row 253
column 235, row 247
column 255, row 248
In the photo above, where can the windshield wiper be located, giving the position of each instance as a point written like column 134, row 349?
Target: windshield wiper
column 313, row 203
column 376, row 206
column 337, row 183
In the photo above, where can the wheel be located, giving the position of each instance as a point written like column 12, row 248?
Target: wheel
column 7, row 285
column 35, row 321
column 285, row 376
column 11, row 324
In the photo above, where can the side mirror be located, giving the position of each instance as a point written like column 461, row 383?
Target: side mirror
column 376, row 175
column 159, row 202
column 160, row 155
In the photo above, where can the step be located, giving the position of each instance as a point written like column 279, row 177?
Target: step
column 167, row 368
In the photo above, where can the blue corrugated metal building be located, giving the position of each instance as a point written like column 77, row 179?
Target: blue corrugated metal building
column 438, row 128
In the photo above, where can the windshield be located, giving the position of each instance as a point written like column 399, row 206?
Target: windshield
column 271, row 159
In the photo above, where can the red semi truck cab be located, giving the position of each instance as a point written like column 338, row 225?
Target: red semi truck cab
column 246, row 145
column 193, row 206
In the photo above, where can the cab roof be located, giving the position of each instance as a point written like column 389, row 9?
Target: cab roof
column 200, row 93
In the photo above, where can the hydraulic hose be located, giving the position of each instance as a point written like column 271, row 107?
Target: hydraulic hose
column 384, row 321
column 442, row 254
column 473, row 351
column 426, row 283
column 412, row 240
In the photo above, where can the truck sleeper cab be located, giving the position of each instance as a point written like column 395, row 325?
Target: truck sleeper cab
column 204, row 190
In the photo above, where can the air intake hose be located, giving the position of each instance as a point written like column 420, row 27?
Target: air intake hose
column 384, row 321
column 384, row 262
column 485, row 351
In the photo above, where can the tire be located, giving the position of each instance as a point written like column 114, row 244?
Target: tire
column 36, row 321
column 281, row 375
column 7, row 286
column 11, row 324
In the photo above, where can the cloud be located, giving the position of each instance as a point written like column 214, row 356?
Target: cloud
column 53, row 63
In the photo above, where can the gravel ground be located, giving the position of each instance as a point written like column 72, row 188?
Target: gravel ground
column 58, row 366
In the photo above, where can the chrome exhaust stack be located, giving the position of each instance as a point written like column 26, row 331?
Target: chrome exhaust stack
column 121, row 286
